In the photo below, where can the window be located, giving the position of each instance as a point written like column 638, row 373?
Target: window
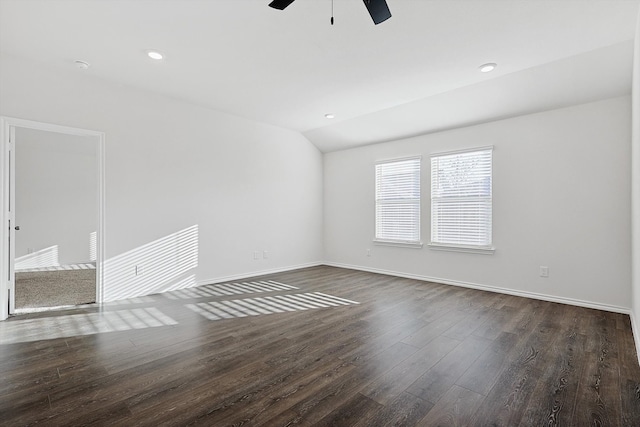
column 398, row 201
column 461, row 200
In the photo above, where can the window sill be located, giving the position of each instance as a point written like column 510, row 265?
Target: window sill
column 398, row 243
column 484, row 250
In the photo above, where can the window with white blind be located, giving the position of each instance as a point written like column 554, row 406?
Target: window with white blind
column 461, row 200
column 398, row 201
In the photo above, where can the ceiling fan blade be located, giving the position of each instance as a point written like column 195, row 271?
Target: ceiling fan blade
column 378, row 10
column 280, row 4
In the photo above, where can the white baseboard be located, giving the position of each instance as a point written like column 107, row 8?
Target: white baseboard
column 255, row 273
column 635, row 327
column 543, row 297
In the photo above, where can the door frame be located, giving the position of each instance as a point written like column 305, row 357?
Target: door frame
column 7, row 184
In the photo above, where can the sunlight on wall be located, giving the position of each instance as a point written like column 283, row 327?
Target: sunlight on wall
column 47, row 257
column 159, row 266
column 82, row 324
column 93, row 246
column 229, row 289
column 216, row 310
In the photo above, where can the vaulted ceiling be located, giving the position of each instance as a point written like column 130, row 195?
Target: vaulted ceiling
column 413, row 74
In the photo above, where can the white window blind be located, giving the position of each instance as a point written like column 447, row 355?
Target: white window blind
column 398, row 201
column 461, row 198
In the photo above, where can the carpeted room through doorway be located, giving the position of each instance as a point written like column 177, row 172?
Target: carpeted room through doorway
column 55, row 287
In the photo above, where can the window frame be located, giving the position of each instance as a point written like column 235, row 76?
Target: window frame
column 417, row 244
column 487, row 249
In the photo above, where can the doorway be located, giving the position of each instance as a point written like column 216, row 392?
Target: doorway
column 53, row 197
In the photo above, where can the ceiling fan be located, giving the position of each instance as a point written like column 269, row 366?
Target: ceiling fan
column 378, row 9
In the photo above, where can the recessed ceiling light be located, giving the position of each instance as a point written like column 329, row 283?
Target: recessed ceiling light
column 485, row 68
column 330, row 116
column 81, row 64
column 154, row 54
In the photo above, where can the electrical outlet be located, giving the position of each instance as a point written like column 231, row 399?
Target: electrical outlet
column 264, row 254
column 256, row 255
column 544, row 271
column 368, row 252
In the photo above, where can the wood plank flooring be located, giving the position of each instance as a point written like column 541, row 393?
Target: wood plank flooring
column 321, row 346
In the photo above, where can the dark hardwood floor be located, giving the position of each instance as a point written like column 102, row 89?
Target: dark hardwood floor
column 321, row 346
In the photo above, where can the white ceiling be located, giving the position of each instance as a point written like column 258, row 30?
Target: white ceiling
column 415, row 73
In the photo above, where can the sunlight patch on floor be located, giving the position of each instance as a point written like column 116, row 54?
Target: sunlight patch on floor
column 228, row 309
column 225, row 289
column 47, row 328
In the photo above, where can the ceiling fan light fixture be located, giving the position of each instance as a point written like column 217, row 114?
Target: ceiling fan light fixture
column 378, row 9
column 488, row 67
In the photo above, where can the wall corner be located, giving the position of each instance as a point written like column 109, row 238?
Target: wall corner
column 635, row 191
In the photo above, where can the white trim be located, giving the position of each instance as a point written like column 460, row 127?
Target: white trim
column 10, row 209
column 399, row 159
column 52, row 308
column 635, row 328
column 461, row 248
column 101, row 232
column 398, row 243
column 4, row 220
column 8, row 123
column 496, row 289
column 255, row 274
column 49, row 127
column 462, row 150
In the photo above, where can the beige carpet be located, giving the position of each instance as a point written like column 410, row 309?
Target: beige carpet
column 55, row 288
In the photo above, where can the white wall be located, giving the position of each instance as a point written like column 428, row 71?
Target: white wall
column 635, row 186
column 181, row 180
column 561, row 199
column 56, row 197
column 200, row 191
